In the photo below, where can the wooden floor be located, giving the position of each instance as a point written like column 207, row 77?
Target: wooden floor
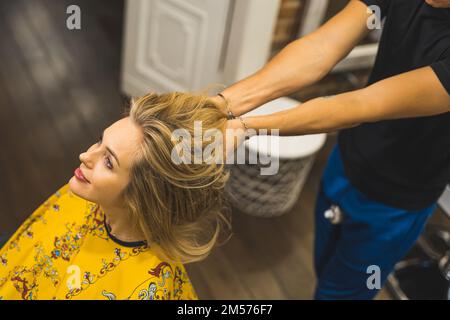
column 59, row 89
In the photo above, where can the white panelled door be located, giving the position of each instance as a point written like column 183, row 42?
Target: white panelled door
column 173, row 45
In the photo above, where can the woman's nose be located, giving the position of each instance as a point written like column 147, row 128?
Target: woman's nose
column 90, row 156
column 83, row 157
column 86, row 159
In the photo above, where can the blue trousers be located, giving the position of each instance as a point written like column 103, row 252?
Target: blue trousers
column 371, row 234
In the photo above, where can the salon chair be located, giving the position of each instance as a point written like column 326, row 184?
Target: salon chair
column 424, row 274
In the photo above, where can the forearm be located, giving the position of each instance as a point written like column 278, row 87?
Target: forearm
column 298, row 65
column 417, row 93
column 303, row 62
column 316, row 116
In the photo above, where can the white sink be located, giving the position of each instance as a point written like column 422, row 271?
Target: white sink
column 289, row 147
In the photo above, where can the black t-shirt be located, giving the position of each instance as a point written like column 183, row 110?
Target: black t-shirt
column 404, row 163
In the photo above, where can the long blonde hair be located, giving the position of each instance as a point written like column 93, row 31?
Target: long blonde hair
column 180, row 208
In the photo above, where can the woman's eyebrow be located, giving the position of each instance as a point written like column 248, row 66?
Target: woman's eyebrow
column 110, row 151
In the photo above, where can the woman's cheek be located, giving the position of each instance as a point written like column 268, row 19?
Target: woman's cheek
column 107, row 186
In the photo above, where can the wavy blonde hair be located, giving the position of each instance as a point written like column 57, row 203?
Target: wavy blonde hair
column 178, row 207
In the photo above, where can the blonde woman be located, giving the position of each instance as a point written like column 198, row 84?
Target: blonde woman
column 129, row 217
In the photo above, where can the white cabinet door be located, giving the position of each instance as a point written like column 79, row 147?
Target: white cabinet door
column 173, row 45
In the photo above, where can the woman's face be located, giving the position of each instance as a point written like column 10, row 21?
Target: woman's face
column 106, row 165
column 439, row 3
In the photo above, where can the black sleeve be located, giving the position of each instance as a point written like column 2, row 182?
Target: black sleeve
column 383, row 4
column 442, row 70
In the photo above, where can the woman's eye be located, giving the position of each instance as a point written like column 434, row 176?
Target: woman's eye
column 108, row 163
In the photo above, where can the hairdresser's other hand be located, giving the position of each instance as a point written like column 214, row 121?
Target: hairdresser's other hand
column 234, row 134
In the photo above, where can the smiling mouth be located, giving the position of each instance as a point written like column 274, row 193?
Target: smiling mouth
column 80, row 176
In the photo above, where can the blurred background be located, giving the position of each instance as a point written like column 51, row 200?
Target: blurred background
column 60, row 88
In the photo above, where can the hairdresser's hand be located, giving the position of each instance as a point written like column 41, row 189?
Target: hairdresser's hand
column 220, row 102
column 234, row 134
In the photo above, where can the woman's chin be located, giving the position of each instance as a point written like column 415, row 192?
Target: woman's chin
column 77, row 187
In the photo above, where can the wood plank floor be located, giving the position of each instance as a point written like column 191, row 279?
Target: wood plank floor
column 59, row 89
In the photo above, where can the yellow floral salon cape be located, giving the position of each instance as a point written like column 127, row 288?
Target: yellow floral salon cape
column 64, row 251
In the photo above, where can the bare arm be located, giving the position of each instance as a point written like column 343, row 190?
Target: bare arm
column 302, row 62
column 413, row 94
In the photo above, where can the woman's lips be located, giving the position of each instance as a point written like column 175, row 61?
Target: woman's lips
column 80, row 176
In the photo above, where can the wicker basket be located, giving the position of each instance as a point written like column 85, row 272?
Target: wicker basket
column 274, row 195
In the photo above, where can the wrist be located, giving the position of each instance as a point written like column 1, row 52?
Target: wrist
column 226, row 105
column 248, row 94
column 220, row 103
column 243, row 123
column 246, row 125
column 234, row 109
